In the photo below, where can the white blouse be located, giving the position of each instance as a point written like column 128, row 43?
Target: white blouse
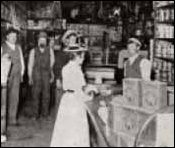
column 73, row 78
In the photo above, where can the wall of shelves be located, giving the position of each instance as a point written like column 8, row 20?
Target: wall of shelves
column 13, row 14
column 163, row 59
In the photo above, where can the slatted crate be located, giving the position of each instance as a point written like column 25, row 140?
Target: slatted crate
column 132, row 92
column 154, row 95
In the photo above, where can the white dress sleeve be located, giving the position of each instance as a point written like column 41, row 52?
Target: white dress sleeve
column 73, row 78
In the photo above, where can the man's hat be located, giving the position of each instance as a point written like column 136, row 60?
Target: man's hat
column 42, row 35
column 134, row 40
column 11, row 30
column 75, row 48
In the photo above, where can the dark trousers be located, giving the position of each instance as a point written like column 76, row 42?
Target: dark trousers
column 41, row 94
column 56, row 95
column 13, row 98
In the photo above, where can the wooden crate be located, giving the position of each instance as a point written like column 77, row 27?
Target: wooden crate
column 127, row 120
column 154, row 95
column 125, row 140
column 132, row 92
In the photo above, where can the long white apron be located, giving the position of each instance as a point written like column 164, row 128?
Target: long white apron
column 71, row 127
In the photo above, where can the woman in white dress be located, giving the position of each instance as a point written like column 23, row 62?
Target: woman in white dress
column 71, row 127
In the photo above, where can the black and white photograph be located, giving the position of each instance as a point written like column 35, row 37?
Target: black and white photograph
column 87, row 73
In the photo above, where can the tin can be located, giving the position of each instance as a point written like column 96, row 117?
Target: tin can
column 172, row 14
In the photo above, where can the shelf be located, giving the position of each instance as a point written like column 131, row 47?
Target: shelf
column 4, row 20
column 165, row 6
column 101, row 66
column 165, row 22
column 167, row 39
column 47, row 30
column 40, row 30
column 165, row 58
column 41, row 18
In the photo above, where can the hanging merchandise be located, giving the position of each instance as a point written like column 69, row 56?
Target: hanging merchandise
column 16, row 25
column 100, row 12
column 57, row 9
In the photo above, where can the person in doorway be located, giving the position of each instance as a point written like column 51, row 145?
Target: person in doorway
column 71, row 127
column 40, row 66
column 14, row 51
column 136, row 66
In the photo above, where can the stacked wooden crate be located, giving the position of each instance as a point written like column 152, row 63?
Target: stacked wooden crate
column 129, row 112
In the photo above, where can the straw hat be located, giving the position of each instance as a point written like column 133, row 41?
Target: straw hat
column 75, row 48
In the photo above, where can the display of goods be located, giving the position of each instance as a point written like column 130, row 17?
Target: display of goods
column 164, row 31
column 165, row 15
column 164, row 49
column 97, row 30
column 82, row 28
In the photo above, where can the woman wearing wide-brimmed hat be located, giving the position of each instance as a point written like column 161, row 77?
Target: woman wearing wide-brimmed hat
column 71, row 127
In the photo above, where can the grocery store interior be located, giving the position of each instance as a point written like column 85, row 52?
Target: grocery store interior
column 87, row 73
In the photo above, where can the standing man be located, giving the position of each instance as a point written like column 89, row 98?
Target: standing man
column 13, row 50
column 5, row 69
column 41, row 61
column 136, row 66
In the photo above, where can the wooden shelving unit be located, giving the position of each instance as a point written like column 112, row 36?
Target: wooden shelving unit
column 163, row 55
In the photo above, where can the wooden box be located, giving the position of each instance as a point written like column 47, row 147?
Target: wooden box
column 132, row 92
column 170, row 95
column 154, row 95
column 125, row 140
column 127, row 120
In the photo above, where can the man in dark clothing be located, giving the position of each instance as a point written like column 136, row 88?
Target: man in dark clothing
column 40, row 67
column 136, row 66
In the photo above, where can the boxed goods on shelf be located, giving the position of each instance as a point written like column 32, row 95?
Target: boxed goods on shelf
column 166, row 15
column 164, row 49
column 164, row 31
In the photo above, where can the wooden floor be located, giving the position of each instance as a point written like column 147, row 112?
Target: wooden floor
column 30, row 134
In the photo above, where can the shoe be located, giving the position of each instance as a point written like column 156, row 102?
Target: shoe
column 3, row 139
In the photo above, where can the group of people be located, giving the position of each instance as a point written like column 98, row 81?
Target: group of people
column 63, row 68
